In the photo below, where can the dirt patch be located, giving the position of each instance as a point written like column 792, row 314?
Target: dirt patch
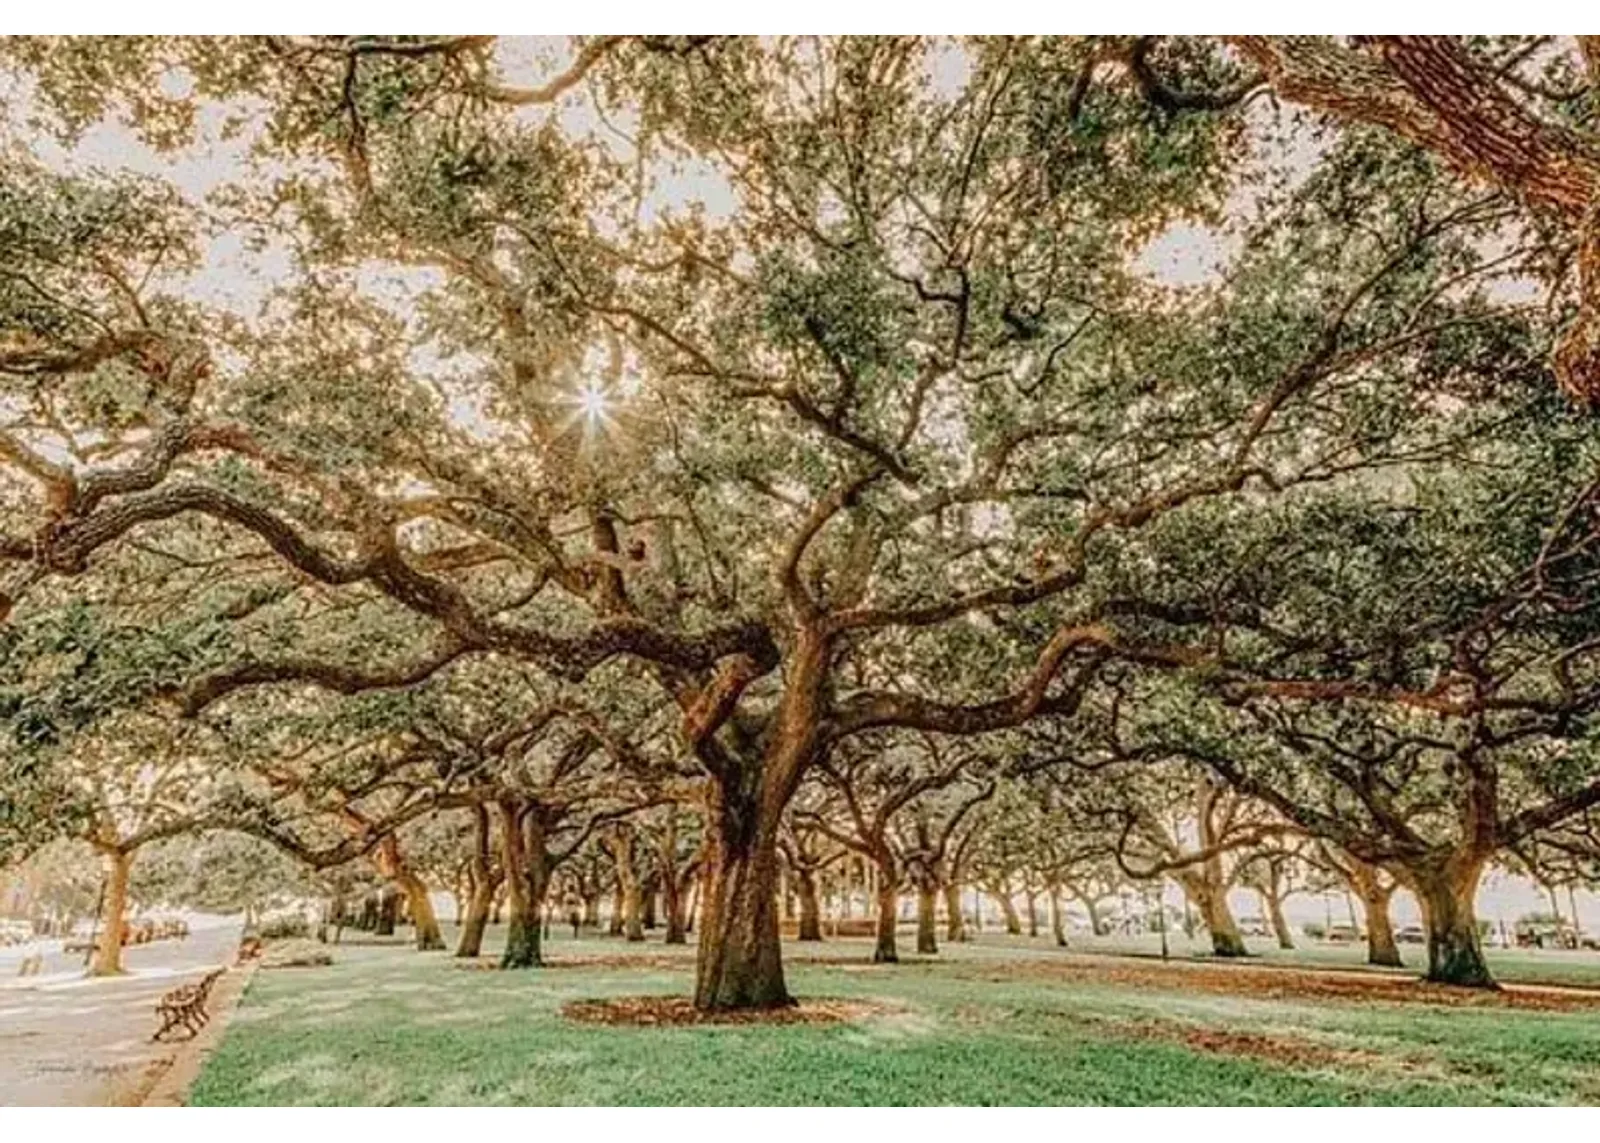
column 670, row 1011
column 1291, row 1051
column 1285, row 984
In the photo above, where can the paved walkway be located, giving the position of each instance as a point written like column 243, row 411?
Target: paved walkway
column 68, row 1040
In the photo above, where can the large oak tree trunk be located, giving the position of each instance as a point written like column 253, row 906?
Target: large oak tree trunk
column 1447, row 892
column 108, row 951
column 740, row 962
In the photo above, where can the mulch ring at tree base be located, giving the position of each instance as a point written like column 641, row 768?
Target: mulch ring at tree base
column 1287, row 983
column 672, row 1011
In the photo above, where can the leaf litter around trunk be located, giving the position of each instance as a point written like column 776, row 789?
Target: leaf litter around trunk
column 669, row 1011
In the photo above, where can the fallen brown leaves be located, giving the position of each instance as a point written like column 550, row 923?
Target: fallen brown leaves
column 1261, row 981
column 1295, row 1053
column 668, row 1011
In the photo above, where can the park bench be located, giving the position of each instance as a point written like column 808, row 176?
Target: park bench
column 185, row 1007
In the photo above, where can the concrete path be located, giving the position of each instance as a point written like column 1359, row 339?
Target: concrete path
column 69, row 1040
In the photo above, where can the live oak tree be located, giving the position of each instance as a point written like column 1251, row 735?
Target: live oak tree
column 1375, row 887
column 883, row 790
column 808, row 851
column 902, row 401
column 1419, row 686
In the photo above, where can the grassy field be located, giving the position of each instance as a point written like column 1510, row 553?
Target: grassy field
column 993, row 1023
column 1579, row 968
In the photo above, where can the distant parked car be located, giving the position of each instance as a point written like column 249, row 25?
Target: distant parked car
column 1254, row 927
column 1411, row 935
column 1343, row 934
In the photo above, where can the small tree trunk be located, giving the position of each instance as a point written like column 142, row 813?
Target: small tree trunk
column 1058, row 922
column 614, row 928
column 647, row 916
column 388, row 911
column 524, row 892
column 955, row 928
column 1090, row 907
column 429, row 936
column 1008, row 909
column 1212, row 902
column 630, row 891
column 927, row 930
column 1455, row 953
column 1381, row 946
column 108, row 951
column 805, row 880
column 1033, row 912
column 1272, row 905
column 672, row 903
column 470, row 943
column 591, row 911
column 885, row 951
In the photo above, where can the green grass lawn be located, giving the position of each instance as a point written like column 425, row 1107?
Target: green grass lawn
column 1579, row 968
column 998, row 1022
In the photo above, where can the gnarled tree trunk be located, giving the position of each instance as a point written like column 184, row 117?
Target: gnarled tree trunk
column 527, row 879
column 418, row 903
column 481, row 887
column 1212, row 902
column 1376, row 894
column 1446, row 891
column 740, row 962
